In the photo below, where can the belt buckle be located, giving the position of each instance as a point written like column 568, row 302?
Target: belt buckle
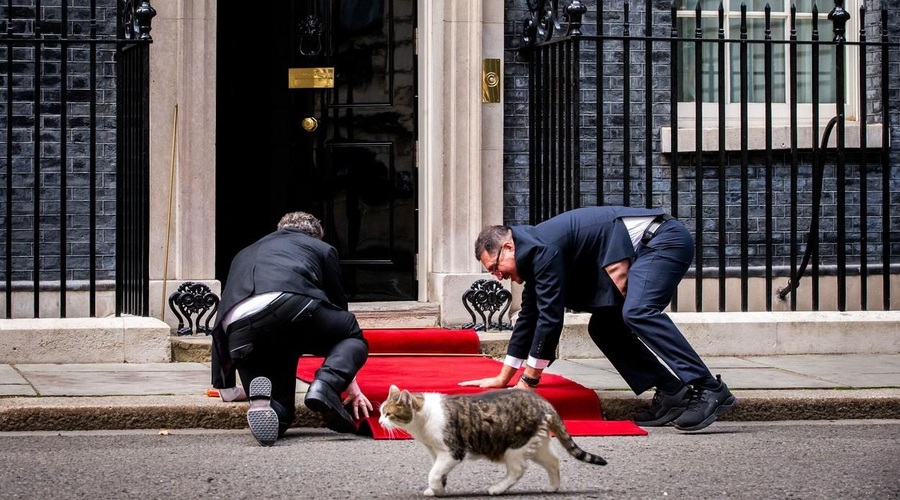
column 654, row 226
column 650, row 232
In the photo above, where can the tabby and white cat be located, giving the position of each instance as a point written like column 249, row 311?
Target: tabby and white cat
column 510, row 426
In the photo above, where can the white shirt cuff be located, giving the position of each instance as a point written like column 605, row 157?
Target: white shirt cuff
column 513, row 362
column 540, row 364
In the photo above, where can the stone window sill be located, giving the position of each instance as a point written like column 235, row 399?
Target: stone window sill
column 756, row 140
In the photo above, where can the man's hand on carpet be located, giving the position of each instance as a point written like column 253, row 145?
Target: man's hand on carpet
column 485, row 382
column 360, row 405
column 357, row 401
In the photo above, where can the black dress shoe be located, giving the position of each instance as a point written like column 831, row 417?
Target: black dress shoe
column 321, row 398
column 664, row 408
column 706, row 406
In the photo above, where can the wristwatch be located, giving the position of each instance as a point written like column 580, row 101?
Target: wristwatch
column 530, row 381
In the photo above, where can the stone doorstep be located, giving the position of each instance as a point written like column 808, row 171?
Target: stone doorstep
column 397, row 314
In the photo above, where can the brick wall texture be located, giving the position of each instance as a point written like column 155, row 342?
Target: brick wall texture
column 51, row 157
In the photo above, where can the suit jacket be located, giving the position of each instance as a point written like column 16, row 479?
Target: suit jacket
column 561, row 261
column 284, row 261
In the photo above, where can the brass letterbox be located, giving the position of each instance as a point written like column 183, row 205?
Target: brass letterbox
column 310, row 78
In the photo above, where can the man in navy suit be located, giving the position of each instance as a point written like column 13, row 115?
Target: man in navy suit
column 622, row 265
column 283, row 298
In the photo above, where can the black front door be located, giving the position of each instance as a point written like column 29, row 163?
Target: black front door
column 342, row 150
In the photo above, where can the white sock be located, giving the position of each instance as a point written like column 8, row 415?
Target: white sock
column 233, row 394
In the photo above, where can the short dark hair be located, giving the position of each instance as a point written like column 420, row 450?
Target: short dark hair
column 490, row 239
column 304, row 222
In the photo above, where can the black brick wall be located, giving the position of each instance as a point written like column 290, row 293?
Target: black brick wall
column 72, row 171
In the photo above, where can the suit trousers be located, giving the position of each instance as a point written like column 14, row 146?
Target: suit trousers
column 304, row 325
column 639, row 339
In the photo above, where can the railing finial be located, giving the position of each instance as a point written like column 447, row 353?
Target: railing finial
column 574, row 12
column 144, row 14
column 543, row 17
column 839, row 17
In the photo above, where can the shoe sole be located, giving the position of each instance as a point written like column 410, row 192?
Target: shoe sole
column 332, row 419
column 261, row 418
column 668, row 418
column 722, row 409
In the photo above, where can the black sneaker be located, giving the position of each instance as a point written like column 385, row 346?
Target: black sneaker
column 664, row 408
column 706, row 406
column 261, row 416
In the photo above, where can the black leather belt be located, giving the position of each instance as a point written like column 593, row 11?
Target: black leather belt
column 654, row 226
column 249, row 320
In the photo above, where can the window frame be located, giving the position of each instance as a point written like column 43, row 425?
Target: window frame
column 781, row 112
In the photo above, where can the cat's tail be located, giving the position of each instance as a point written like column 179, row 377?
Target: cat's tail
column 565, row 439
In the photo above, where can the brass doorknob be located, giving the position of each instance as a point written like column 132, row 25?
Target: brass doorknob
column 309, row 124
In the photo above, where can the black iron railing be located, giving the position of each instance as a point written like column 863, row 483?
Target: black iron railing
column 76, row 162
column 683, row 108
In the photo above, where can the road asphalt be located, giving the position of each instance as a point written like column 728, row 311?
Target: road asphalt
column 64, row 397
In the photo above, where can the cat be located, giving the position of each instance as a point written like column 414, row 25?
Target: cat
column 510, row 426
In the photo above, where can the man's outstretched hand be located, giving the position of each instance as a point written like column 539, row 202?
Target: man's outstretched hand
column 485, row 382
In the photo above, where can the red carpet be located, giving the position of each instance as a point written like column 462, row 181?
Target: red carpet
column 436, row 360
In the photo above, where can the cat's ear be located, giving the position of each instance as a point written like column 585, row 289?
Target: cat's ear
column 393, row 390
column 413, row 400
column 407, row 398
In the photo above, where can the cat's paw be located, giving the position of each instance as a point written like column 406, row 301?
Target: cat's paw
column 551, row 488
column 497, row 489
column 432, row 492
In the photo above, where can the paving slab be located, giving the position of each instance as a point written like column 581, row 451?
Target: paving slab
column 769, row 378
column 846, row 370
column 596, row 374
column 738, row 373
column 17, row 390
column 8, row 375
column 12, row 383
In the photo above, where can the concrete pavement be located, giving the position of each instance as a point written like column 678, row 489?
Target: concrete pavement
column 59, row 397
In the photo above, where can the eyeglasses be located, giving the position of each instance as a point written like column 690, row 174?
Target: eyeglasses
column 493, row 268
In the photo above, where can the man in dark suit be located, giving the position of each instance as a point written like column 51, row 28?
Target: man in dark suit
column 283, row 298
column 623, row 265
